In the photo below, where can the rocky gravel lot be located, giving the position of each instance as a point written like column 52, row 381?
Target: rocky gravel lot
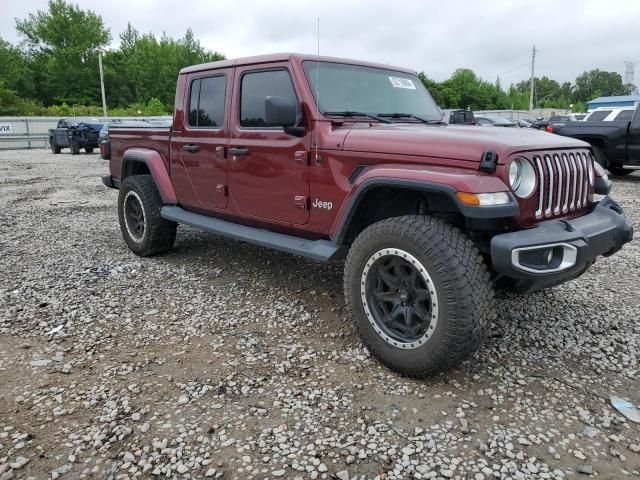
column 223, row 360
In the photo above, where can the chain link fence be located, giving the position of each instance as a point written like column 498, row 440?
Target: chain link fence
column 33, row 132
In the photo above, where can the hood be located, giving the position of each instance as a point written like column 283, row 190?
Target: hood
column 460, row 142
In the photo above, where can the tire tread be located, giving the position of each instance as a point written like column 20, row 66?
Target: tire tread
column 466, row 281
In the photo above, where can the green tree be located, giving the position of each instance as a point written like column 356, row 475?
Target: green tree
column 63, row 43
column 433, row 87
column 466, row 90
column 146, row 67
column 15, row 71
column 598, row 83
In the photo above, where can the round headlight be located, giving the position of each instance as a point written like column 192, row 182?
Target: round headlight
column 522, row 177
column 515, row 174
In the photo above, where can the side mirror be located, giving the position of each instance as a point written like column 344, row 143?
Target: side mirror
column 280, row 112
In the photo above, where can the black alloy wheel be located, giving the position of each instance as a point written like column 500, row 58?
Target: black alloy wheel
column 399, row 298
column 134, row 216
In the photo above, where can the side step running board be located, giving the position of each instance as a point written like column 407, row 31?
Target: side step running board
column 322, row 250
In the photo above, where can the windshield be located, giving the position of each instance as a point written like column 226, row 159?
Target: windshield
column 354, row 88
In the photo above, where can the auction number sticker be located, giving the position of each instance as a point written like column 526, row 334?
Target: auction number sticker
column 399, row 82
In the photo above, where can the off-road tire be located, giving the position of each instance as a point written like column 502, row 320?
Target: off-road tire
column 88, row 149
column 75, row 148
column 459, row 276
column 159, row 234
column 55, row 148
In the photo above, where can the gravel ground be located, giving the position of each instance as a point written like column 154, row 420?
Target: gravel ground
column 225, row 360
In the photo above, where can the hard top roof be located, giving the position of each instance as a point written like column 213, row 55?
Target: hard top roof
column 283, row 57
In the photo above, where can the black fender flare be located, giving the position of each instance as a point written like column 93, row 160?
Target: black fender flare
column 157, row 169
column 511, row 209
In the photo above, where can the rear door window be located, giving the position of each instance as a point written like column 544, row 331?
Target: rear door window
column 206, row 102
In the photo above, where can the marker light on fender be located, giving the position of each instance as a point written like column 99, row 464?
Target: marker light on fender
column 483, row 199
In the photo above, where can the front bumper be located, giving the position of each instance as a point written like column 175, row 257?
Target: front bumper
column 559, row 250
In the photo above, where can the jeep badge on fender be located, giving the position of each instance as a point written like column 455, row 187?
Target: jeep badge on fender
column 320, row 204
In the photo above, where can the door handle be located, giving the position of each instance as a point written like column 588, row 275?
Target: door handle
column 239, row 151
column 192, row 147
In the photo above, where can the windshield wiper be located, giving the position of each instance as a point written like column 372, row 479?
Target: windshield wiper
column 348, row 113
column 409, row 115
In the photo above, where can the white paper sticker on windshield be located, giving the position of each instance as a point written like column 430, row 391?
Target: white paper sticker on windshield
column 399, row 82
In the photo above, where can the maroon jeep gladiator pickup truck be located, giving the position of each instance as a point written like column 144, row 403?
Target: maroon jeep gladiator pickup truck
column 330, row 158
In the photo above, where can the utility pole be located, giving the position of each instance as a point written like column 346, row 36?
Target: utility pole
column 533, row 70
column 104, row 101
column 629, row 75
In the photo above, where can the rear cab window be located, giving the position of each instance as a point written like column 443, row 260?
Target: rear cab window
column 207, row 101
column 624, row 115
column 598, row 116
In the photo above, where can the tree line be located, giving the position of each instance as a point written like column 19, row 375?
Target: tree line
column 464, row 89
column 54, row 71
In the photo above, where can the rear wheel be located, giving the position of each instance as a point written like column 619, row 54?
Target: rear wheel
column 144, row 230
column 419, row 293
column 55, row 148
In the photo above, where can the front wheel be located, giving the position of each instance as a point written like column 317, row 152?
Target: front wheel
column 420, row 294
column 144, row 230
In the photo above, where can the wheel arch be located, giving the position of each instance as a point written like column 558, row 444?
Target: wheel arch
column 595, row 141
column 139, row 161
column 381, row 198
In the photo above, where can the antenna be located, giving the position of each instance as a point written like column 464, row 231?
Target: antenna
column 318, row 90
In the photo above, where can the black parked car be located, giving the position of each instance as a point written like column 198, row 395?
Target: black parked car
column 74, row 136
column 494, row 121
column 542, row 123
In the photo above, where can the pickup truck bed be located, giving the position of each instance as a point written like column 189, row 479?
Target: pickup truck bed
column 152, row 137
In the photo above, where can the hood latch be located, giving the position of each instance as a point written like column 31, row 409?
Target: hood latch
column 489, row 161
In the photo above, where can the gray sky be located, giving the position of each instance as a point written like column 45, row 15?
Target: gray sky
column 492, row 37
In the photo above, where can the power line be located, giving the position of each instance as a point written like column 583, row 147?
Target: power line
column 514, row 69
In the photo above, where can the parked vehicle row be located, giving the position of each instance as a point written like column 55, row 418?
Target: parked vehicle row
column 336, row 159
